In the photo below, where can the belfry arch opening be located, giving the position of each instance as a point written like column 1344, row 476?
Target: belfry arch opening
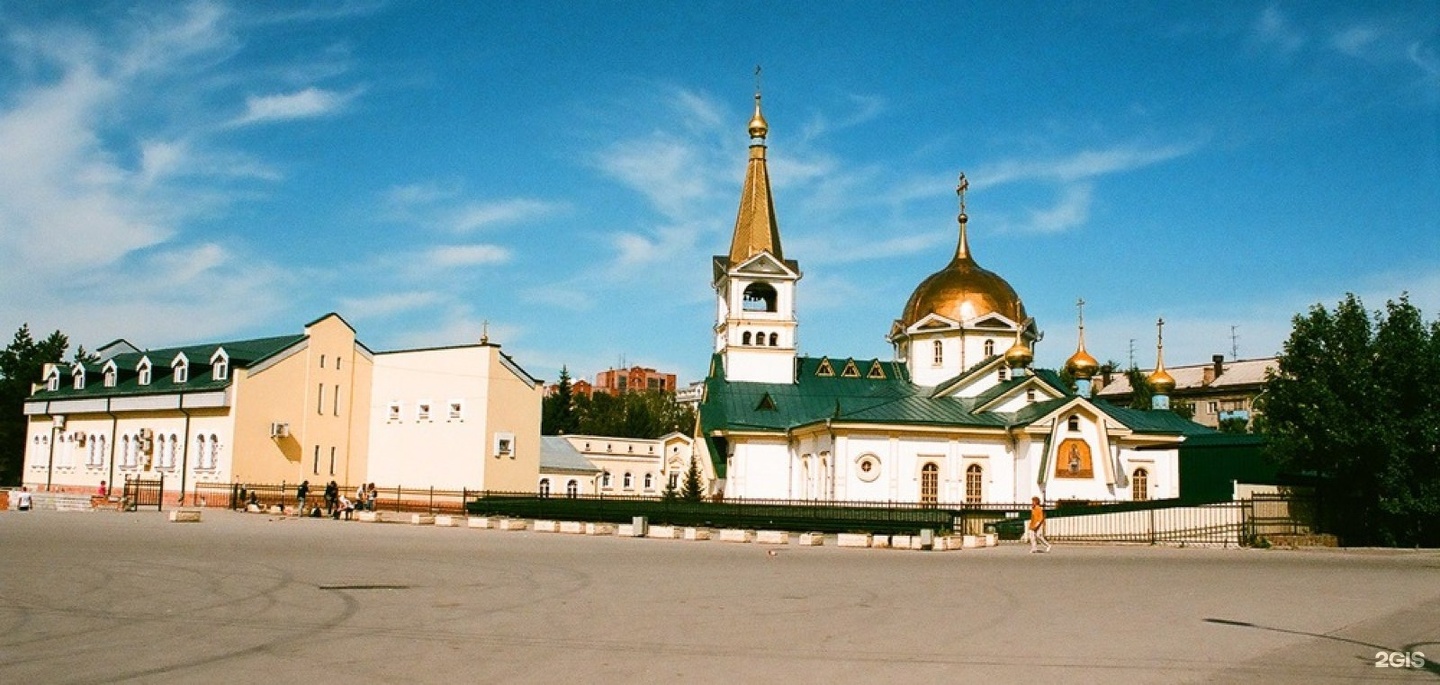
column 760, row 297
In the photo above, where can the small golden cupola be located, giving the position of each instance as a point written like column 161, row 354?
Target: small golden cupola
column 1019, row 356
column 1161, row 382
column 1081, row 366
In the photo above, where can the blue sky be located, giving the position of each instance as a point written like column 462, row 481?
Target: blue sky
column 181, row 172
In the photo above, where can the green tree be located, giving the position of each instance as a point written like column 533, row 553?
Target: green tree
column 1234, row 426
column 1357, row 403
column 1140, row 390
column 21, row 364
column 557, row 415
column 692, row 490
column 633, row 415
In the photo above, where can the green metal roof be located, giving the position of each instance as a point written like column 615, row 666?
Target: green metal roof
column 242, row 353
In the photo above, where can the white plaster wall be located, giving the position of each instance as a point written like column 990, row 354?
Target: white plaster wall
column 760, row 468
column 439, row 452
column 760, row 364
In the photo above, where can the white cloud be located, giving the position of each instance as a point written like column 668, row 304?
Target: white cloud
column 479, row 215
column 1079, row 166
column 305, row 104
column 452, row 256
column 1274, row 29
column 1355, row 41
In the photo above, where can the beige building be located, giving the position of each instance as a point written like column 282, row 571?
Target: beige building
column 268, row 410
column 1219, row 390
column 453, row 418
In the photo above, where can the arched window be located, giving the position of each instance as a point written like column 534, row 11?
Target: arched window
column 110, row 377
column 124, row 451
column 939, row 353
column 649, row 481
column 989, row 348
column 214, row 451
column 79, row 378
column 774, row 339
column 974, row 483
column 221, row 370
column 759, row 297
column 605, row 479
column 629, row 481
column 1073, row 423
column 544, row 487
column 181, row 369
column 745, row 339
column 201, row 454
column 929, row 483
column 572, row 488
column 143, row 372
column 1140, row 485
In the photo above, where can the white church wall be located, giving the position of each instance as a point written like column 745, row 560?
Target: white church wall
column 760, row 469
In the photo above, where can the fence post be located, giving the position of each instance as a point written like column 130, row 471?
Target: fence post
column 432, row 501
column 397, row 499
column 1152, row 526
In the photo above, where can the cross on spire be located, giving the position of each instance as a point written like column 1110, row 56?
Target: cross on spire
column 757, row 79
column 960, row 187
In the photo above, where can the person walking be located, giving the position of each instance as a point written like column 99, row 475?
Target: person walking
column 1037, row 526
column 332, row 497
column 300, row 494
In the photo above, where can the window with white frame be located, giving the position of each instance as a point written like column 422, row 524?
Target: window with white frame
column 78, row 378
column 939, row 353
column 649, row 481
column 125, row 451
column 181, row 369
column 422, row 410
column 605, row 479
column 110, row 377
column 53, row 382
column 572, row 488
column 200, row 452
column 544, row 487
column 219, row 366
column 505, row 445
column 457, row 410
column 629, row 481
column 214, row 451
column 1003, row 374
column 393, row 412
column 142, row 372
column 989, row 348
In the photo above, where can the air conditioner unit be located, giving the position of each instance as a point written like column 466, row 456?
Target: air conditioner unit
column 279, row 430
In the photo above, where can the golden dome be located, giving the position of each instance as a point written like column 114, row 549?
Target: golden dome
column 1019, row 355
column 962, row 291
column 1161, row 381
column 758, row 127
column 1081, row 365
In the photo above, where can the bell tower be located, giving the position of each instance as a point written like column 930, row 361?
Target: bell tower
column 755, row 326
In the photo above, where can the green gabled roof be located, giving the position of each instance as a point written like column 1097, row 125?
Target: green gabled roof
column 242, row 353
column 1152, row 421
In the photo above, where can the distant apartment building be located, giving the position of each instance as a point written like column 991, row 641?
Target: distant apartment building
column 1220, row 390
column 616, row 382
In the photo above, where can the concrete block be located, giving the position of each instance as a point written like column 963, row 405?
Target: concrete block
column 927, row 538
column 513, row 524
column 853, row 540
column 880, row 542
column 772, row 537
column 572, row 527
column 625, row 530
column 949, row 543
column 276, row 509
column 546, row 526
column 736, row 535
column 422, row 520
column 476, row 521
column 971, row 541
column 184, row 515
column 663, row 532
column 918, row 545
column 253, row 509
column 812, row 539
column 697, row 533
column 446, row 520
column 368, row 516
column 992, row 539
column 599, row 529
column 901, row 541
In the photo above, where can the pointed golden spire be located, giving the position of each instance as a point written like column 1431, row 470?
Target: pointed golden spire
column 1162, row 382
column 962, row 249
column 756, row 230
column 1081, row 365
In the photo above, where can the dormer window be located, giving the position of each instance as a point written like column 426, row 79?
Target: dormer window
column 53, row 381
column 78, row 377
column 939, row 353
column 143, row 372
column 1074, row 423
column 181, row 367
column 219, row 365
column 111, row 376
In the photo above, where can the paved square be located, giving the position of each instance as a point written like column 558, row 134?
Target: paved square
column 107, row 597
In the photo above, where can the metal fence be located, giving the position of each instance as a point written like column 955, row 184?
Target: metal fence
column 143, row 493
column 396, row 498
column 1236, row 522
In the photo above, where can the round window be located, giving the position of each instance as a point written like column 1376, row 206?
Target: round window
column 868, row 468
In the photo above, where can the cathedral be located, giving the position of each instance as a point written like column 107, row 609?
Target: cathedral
column 958, row 417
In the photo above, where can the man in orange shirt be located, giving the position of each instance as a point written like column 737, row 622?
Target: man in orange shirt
column 1037, row 526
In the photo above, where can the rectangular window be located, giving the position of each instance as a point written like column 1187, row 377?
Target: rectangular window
column 332, row 461
column 394, row 414
column 422, row 411
column 337, row 363
column 322, row 361
column 505, row 445
column 182, row 373
column 337, row 400
column 457, row 410
column 317, row 460
column 320, row 399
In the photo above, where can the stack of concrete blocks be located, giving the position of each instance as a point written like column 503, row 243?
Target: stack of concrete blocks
column 663, row 532
column 772, row 537
column 853, row 540
column 737, row 535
